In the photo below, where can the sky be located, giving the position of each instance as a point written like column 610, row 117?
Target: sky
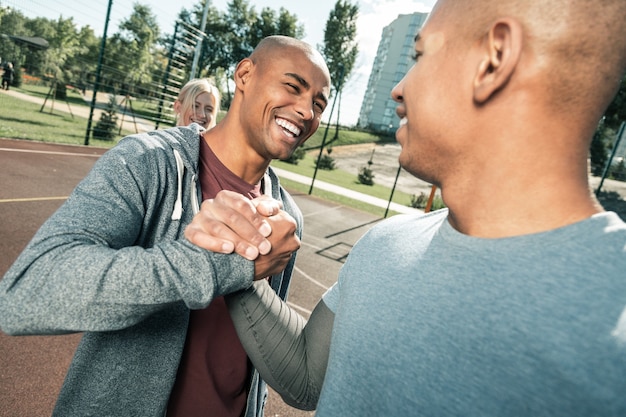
column 374, row 15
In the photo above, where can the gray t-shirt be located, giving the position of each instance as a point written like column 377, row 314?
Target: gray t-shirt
column 432, row 322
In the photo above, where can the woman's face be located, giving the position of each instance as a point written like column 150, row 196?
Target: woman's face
column 201, row 112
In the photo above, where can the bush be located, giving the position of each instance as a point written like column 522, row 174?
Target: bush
column 420, row 201
column 326, row 162
column 437, row 203
column 32, row 80
column 598, row 152
column 17, row 76
column 107, row 125
column 366, row 176
column 60, row 92
column 296, row 156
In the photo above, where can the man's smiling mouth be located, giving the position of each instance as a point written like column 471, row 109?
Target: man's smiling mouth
column 289, row 128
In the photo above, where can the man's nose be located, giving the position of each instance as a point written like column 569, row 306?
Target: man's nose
column 305, row 109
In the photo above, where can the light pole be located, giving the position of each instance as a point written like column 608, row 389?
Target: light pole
column 198, row 52
column 319, row 156
column 98, row 72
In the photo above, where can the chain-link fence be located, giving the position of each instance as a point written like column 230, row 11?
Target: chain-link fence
column 136, row 62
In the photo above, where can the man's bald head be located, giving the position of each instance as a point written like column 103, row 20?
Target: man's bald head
column 578, row 46
column 272, row 46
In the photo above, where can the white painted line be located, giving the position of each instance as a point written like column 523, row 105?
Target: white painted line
column 50, row 152
column 25, row 200
column 297, row 307
column 313, row 280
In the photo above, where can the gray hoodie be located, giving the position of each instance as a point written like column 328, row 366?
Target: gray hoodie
column 113, row 262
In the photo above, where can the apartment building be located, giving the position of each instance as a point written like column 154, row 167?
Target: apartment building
column 393, row 59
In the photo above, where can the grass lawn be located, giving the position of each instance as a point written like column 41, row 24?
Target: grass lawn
column 344, row 137
column 23, row 119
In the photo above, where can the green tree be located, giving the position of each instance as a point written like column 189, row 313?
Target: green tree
column 64, row 45
column 288, row 25
column 12, row 23
column 83, row 65
column 241, row 17
column 107, row 125
column 340, row 47
column 232, row 35
column 35, row 60
column 269, row 22
column 216, row 47
column 265, row 25
column 71, row 54
column 616, row 112
column 598, row 151
column 133, row 48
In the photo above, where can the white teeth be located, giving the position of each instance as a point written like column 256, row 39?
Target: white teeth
column 403, row 121
column 290, row 127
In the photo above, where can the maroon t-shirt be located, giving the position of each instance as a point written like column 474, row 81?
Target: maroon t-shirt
column 213, row 374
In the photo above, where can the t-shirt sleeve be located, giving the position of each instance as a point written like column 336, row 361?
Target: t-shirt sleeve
column 331, row 297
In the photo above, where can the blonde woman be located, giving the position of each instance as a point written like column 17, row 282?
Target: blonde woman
column 198, row 102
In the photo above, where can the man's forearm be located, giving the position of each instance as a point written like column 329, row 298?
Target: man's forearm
column 290, row 354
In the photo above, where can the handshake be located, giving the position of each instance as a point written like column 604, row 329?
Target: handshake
column 258, row 230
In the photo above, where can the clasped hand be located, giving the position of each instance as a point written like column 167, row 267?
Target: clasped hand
column 258, row 230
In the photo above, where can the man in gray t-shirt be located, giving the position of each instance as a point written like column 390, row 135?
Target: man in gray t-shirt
column 512, row 300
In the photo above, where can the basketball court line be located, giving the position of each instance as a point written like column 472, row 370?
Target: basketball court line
column 50, row 152
column 26, row 200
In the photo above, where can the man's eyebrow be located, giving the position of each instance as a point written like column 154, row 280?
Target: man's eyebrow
column 299, row 79
column 306, row 85
column 417, row 37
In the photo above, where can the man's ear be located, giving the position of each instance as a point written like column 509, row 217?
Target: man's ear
column 502, row 50
column 242, row 72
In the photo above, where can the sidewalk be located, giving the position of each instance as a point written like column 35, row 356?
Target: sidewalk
column 355, row 195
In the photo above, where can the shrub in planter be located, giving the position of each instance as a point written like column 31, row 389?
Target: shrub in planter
column 366, row 176
column 107, row 125
column 326, row 161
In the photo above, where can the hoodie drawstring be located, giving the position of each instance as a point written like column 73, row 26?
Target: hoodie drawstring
column 195, row 206
column 178, row 205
